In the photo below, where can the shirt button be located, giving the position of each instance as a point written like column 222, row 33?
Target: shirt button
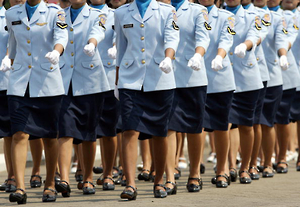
column 126, row 63
column 173, row 58
column 142, row 38
column 71, row 42
column 275, row 61
column 51, row 68
column 72, row 66
column 28, row 41
column 142, row 25
column 29, row 66
column 72, row 54
column 28, row 28
column 108, row 63
column 143, row 49
column 257, row 59
column 29, row 54
column 231, row 63
column 91, row 65
column 71, row 29
column 231, row 53
column 143, row 61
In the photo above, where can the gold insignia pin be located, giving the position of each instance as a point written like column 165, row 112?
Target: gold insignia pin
column 41, row 24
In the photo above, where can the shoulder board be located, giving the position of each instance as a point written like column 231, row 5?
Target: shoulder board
column 94, row 9
column 110, row 9
column 197, row 5
column 275, row 13
column 54, row 6
column 250, row 12
column 15, row 7
column 124, row 6
column 226, row 12
column 164, row 4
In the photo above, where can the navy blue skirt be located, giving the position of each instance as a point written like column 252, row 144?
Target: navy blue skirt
column 283, row 112
column 271, row 103
column 4, row 116
column 146, row 112
column 217, row 109
column 188, row 109
column 243, row 108
column 109, row 116
column 35, row 116
column 79, row 116
column 260, row 103
column 295, row 109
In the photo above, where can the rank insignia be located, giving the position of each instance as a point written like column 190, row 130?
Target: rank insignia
column 257, row 23
column 175, row 26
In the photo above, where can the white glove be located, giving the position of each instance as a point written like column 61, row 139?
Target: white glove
column 240, row 50
column 284, row 64
column 5, row 64
column 216, row 64
column 53, row 57
column 195, row 62
column 166, row 65
column 89, row 49
column 112, row 52
column 116, row 92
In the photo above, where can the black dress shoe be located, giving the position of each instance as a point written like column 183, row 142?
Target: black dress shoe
column 178, row 174
column 193, row 187
column 297, row 166
column 116, row 172
column 260, row 168
column 213, row 180
column 245, row 180
column 3, row 186
column 49, row 197
column 56, row 177
column 98, row 170
column 108, row 186
column 80, row 185
column 221, row 183
column 152, row 177
column 10, row 188
column 171, row 191
column 128, row 194
column 78, row 177
column 123, row 181
column 144, row 176
column 202, row 168
column 88, row 190
column 274, row 166
column 282, row 169
column 35, row 183
column 63, row 187
column 233, row 174
column 118, row 181
column 267, row 174
column 18, row 197
column 159, row 193
column 254, row 176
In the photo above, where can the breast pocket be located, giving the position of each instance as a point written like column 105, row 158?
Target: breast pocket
column 127, row 63
column 16, row 67
column 49, row 67
column 249, row 63
column 91, row 65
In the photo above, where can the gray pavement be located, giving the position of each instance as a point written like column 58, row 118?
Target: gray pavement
column 282, row 190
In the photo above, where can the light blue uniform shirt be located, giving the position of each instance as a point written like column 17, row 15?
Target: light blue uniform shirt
column 108, row 63
column 265, row 25
column 3, row 49
column 29, row 42
column 291, row 76
column 86, row 73
column 193, row 34
column 296, row 45
column 221, row 36
column 141, row 45
column 246, row 71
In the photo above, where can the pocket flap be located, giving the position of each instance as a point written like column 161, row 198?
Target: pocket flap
column 16, row 67
column 91, row 64
column 48, row 66
column 249, row 63
column 108, row 63
column 61, row 64
column 158, row 59
column 127, row 63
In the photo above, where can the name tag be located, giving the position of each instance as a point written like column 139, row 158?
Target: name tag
column 16, row 22
column 128, row 25
column 41, row 24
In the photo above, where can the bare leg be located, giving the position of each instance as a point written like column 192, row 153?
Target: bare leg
column 256, row 147
column 146, row 154
column 36, row 148
column 102, row 153
column 234, row 147
column 19, row 155
column 298, row 135
column 51, row 155
column 8, row 156
column 222, row 148
column 202, row 136
column 268, row 143
column 110, row 150
column 246, row 141
column 89, row 151
column 283, row 137
column 170, row 165
column 65, row 157
column 129, row 152
column 194, row 149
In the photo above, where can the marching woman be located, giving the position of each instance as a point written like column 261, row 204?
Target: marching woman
column 220, row 85
column 84, row 81
column 247, row 79
column 290, row 78
column 147, row 38
column 275, row 56
column 10, row 184
column 36, row 33
column 265, row 25
column 190, row 92
column 110, row 113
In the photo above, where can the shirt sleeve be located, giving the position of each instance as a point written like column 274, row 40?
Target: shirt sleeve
column 171, row 32
column 121, row 41
column 98, row 29
column 227, row 32
column 201, row 32
column 12, row 44
column 281, row 36
column 253, row 32
column 60, row 34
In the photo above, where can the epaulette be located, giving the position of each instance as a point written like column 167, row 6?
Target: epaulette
column 94, row 9
column 54, row 6
column 197, row 5
column 15, row 7
column 124, row 6
column 164, row 4
column 276, row 13
column 226, row 12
